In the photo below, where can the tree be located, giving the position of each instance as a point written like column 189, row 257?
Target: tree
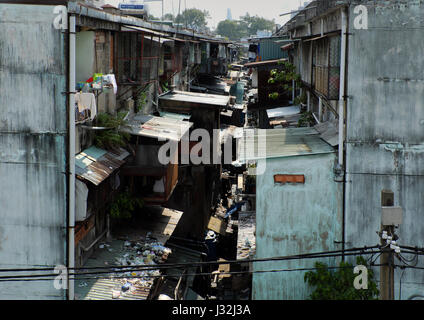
column 338, row 285
column 193, row 18
column 169, row 17
column 256, row 23
column 152, row 18
column 231, row 29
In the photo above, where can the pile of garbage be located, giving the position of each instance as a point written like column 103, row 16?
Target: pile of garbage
column 146, row 252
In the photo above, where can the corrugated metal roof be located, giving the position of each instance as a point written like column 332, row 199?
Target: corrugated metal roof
column 157, row 127
column 283, row 111
column 195, row 99
column 329, row 132
column 95, row 165
column 277, row 143
column 176, row 116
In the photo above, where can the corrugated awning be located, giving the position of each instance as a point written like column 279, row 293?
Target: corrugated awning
column 95, row 165
column 157, row 127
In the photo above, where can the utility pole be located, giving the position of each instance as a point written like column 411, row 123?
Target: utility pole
column 390, row 217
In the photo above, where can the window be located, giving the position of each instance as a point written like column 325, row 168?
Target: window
column 326, row 67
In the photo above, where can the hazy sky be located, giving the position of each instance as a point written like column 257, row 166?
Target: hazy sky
column 270, row 9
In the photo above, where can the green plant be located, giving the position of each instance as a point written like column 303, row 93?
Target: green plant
column 306, row 119
column 111, row 138
column 124, row 205
column 300, row 99
column 141, row 101
column 165, row 87
column 338, row 285
column 284, row 78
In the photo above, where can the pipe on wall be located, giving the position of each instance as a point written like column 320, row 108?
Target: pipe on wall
column 71, row 187
column 342, row 85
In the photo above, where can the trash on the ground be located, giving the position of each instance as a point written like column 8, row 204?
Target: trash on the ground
column 126, row 287
column 164, row 297
column 144, row 252
column 83, row 284
column 116, row 294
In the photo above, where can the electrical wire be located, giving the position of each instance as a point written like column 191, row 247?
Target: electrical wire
column 127, row 269
column 183, row 274
column 325, row 254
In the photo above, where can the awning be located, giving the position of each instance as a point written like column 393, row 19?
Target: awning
column 263, row 63
column 161, row 40
column 144, row 30
column 323, row 36
column 287, row 46
column 95, row 165
column 179, row 39
column 165, row 128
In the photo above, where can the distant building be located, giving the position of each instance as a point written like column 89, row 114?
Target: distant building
column 229, row 15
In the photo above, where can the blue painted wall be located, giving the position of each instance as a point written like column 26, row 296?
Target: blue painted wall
column 295, row 219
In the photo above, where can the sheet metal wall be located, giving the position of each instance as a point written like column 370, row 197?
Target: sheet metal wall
column 385, row 128
column 32, row 147
column 271, row 50
column 295, row 219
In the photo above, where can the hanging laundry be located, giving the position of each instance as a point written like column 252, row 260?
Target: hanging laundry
column 86, row 101
column 110, row 79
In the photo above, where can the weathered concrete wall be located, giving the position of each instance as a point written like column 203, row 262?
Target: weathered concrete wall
column 32, row 147
column 385, row 127
column 85, row 55
column 295, row 219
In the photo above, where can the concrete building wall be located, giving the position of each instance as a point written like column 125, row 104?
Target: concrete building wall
column 295, row 219
column 85, row 55
column 33, row 143
column 385, row 128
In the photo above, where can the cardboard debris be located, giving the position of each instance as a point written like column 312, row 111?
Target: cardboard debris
column 217, row 225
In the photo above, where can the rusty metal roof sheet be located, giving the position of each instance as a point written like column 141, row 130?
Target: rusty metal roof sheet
column 95, row 165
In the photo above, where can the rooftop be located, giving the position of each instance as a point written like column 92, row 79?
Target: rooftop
column 280, row 143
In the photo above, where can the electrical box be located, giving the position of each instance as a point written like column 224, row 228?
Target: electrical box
column 391, row 216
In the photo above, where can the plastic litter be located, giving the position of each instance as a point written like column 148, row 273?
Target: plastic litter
column 126, row 287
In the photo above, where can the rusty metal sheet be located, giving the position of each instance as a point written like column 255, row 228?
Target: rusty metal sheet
column 96, row 166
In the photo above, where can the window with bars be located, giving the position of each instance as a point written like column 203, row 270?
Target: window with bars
column 138, row 58
column 326, row 67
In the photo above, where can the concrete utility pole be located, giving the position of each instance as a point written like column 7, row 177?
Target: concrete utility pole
column 391, row 216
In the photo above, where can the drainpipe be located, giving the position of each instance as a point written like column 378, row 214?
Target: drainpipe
column 71, row 187
column 342, row 86
column 341, row 119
